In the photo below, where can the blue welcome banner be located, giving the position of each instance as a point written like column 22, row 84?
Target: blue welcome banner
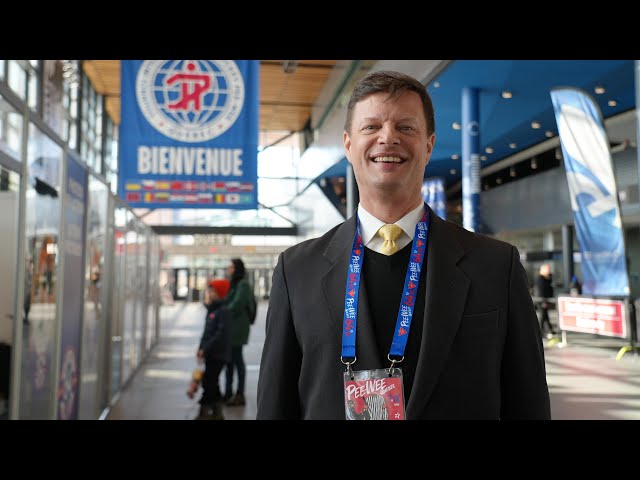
column 189, row 134
column 433, row 194
column 594, row 196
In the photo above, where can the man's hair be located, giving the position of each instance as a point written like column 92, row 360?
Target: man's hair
column 395, row 83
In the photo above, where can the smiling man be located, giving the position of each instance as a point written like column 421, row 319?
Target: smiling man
column 442, row 314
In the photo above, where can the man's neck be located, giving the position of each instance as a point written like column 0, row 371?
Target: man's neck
column 389, row 211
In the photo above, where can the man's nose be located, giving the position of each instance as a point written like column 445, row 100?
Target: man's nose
column 388, row 134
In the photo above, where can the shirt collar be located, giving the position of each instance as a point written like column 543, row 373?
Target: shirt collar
column 369, row 225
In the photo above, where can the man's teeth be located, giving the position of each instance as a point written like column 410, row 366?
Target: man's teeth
column 388, row 159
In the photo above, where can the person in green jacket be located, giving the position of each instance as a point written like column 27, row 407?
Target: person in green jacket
column 238, row 301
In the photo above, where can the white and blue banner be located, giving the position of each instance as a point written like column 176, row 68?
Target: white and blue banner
column 433, row 195
column 189, row 134
column 594, row 196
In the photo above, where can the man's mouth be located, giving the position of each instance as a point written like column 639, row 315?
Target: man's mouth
column 387, row 160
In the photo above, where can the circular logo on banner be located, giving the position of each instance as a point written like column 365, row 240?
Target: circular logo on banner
column 190, row 100
column 67, row 387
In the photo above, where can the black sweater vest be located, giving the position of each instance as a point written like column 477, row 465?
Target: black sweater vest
column 383, row 278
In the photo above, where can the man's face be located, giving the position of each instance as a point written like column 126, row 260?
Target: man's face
column 388, row 144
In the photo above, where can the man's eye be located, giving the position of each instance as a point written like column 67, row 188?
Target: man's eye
column 406, row 128
column 369, row 127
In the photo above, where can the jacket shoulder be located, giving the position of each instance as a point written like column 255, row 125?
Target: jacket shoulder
column 476, row 241
column 313, row 246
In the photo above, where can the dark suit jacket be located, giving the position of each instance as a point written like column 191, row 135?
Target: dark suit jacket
column 481, row 354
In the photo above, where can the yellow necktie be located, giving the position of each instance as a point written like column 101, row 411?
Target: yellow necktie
column 390, row 233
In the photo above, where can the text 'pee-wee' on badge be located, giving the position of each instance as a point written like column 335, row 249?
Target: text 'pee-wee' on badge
column 374, row 394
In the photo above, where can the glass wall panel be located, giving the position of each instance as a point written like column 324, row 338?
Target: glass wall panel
column 93, row 330
column 153, row 297
column 53, row 111
column 10, row 130
column 129, row 298
column 141, row 290
column 17, row 79
column 42, row 219
column 118, row 289
column 33, row 86
column 9, row 206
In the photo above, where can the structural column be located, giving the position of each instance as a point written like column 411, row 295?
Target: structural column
column 567, row 254
column 470, row 159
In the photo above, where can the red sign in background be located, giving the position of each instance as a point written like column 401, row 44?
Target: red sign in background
column 593, row 315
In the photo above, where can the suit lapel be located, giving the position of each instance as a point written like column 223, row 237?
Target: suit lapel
column 446, row 293
column 333, row 284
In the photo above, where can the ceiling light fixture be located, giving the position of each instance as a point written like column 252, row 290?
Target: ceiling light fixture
column 513, row 145
column 489, row 149
column 534, row 163
column 558, row 154
column 612, row 103
column 498, row 180
column 512, row 171
column 506, row 94
column 436, row 84
column 453, row 171
column 456, row 126
column 455, row 156
column 599, row 89
column 549, row 134
column 483, row 157
column 289, row 66
column 535, row 125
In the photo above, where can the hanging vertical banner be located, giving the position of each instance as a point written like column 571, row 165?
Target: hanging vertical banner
column 74, row 239
column 594, row 196
column 433, row 195
column 189, row 134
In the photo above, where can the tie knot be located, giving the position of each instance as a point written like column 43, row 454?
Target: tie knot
column 390, row 233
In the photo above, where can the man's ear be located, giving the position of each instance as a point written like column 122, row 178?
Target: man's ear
column 346, row 140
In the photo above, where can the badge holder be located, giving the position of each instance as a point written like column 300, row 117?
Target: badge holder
column 374, row 394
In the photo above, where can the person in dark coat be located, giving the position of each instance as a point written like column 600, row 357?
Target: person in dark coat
column 214, row 348
column 474, row 350
column 238, row 301
column 544, row 291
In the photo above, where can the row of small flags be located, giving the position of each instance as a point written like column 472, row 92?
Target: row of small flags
column 189, row 186
column 210, row 198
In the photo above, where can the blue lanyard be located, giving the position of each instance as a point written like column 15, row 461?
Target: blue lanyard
column 405, row 312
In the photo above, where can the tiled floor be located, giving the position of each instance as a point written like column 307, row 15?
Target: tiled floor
column 585, row 380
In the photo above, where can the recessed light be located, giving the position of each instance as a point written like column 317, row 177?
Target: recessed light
column 513, row 145
column 453, row 171
column 436, row 84
column 599, row 90
column 455, row 156
column 612, row 103
column 506, row 94
column 558, row 154
column 512, row 172
column 498, row 180
column 549, row 134
column 534, row 163
column 483, row 157
column 535, row 125
column 456, row 126
column 488, row 150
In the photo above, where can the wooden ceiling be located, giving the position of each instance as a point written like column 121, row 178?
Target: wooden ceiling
column 286, row 98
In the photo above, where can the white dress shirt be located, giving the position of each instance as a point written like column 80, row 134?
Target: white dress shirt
column 369, row 226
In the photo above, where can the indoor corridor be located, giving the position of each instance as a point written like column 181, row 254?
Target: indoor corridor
column 585, row 380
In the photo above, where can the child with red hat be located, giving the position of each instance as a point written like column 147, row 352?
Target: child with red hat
column 214, row 349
